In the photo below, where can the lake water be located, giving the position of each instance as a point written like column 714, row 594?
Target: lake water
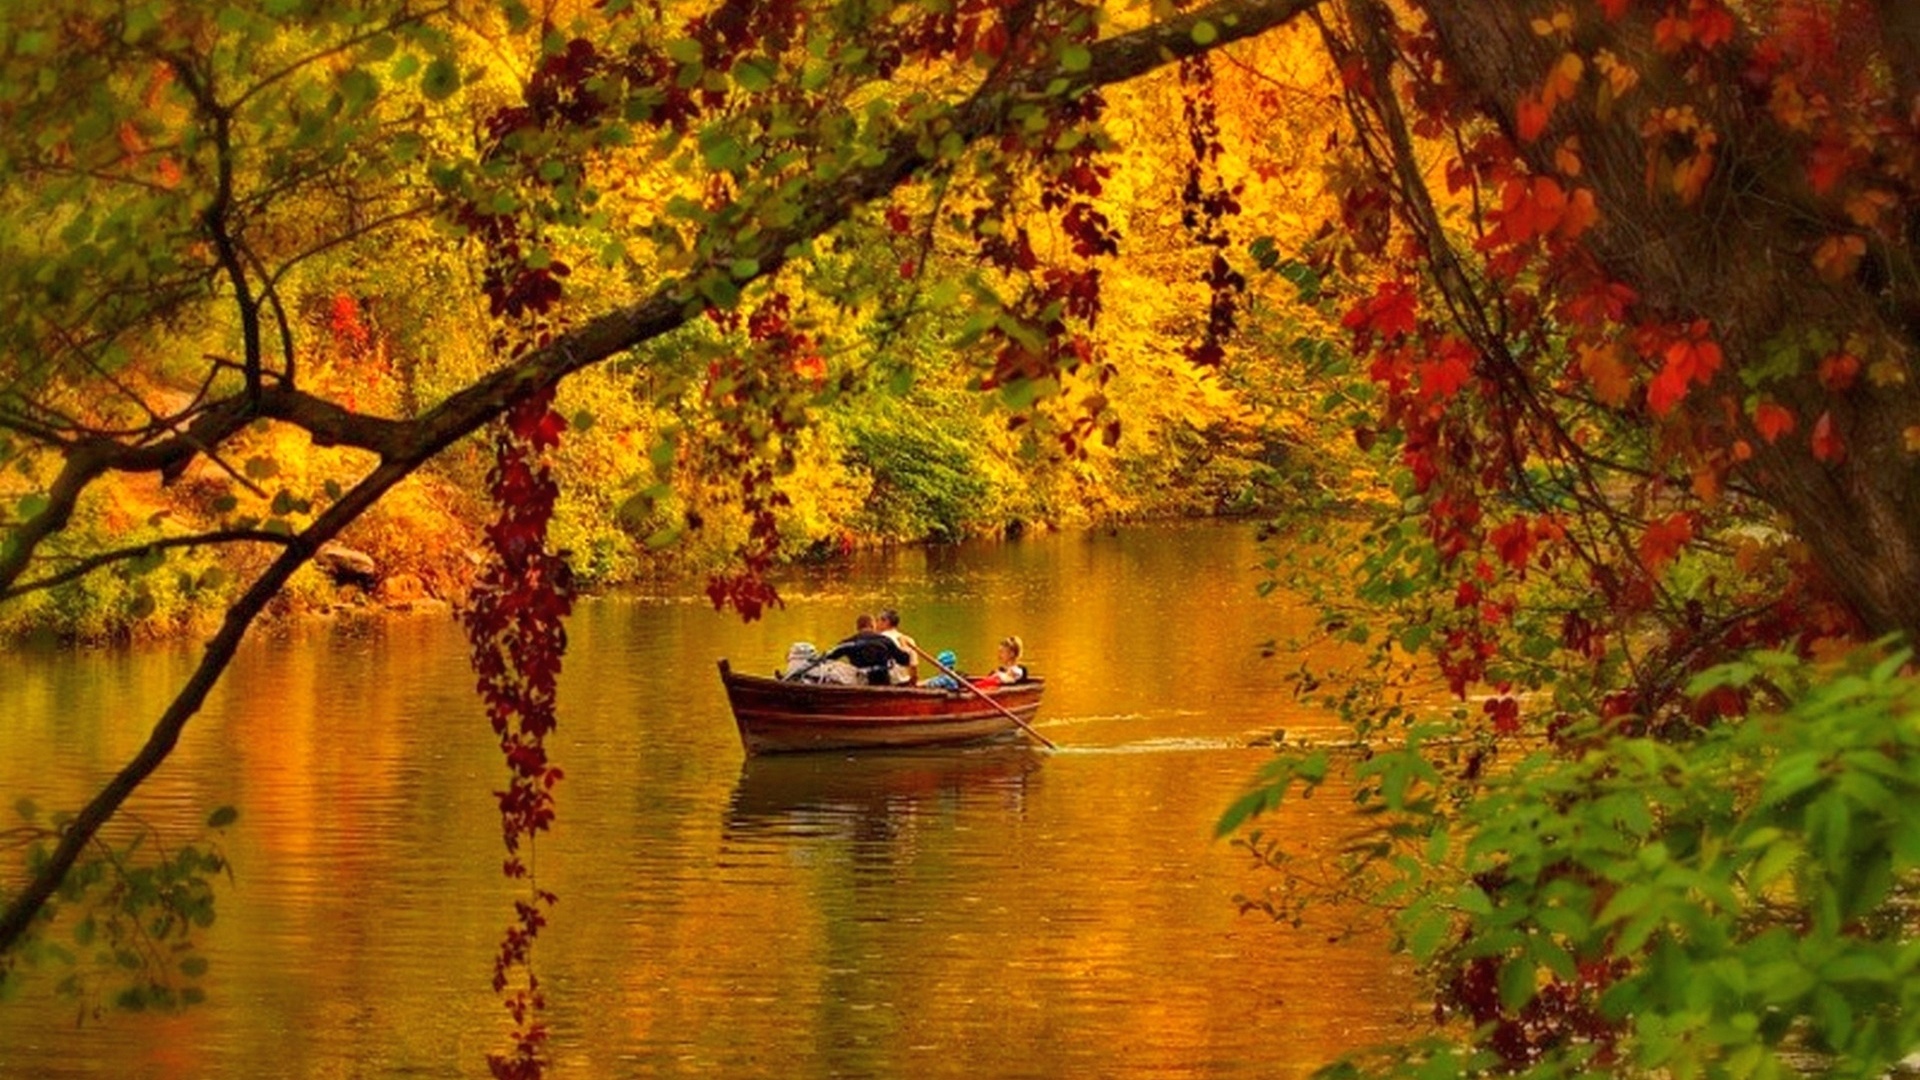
column 994, row 912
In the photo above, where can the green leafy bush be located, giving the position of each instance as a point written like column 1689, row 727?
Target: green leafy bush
column 1735, row 904
column 929, row 478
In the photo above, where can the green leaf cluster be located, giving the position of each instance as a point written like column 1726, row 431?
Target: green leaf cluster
column 124, row 927
column 1737, row 904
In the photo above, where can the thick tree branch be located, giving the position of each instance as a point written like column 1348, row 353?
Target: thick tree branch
column 326, row 422
column 1115, row 60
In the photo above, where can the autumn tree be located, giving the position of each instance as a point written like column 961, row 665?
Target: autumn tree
column 1785, row 341
column 185, row 183
column 1634, row 286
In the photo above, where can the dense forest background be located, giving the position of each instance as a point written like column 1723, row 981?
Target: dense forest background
column 899, row 443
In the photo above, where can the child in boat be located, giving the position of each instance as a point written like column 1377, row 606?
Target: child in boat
column 802, row 658
column 944, row 681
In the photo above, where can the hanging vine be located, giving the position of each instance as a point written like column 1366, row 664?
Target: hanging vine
column 517, row 610
column 1208, row 202
column 515, row 623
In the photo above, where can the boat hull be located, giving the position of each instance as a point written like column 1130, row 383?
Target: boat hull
column 776, row 717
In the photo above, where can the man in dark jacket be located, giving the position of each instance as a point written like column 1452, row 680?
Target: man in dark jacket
column 870, row 651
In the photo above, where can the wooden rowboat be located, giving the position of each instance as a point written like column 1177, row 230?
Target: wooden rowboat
column 778, row 717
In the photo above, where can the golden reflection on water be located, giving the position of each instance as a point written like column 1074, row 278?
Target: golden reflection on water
column 985, row 912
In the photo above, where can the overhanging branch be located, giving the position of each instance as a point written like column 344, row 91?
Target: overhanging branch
column 1117, row 59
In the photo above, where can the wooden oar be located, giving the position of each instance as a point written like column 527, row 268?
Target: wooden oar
column 984, row 696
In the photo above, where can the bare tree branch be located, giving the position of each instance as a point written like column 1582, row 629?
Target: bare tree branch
column 338, row 48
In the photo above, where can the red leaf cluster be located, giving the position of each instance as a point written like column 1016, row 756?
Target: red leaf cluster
column 1391, row 312
column 1481, row 376
column 1534, row 208
column 1828, row 446
column 515, row 624
column 758, row 398
column 1663, row 540
column 1504, row 711
column 345, row 324
column 1702, row 24
column 1688, row 357
column 1447, row 368
column 1558, row 1011
column 1772, row 420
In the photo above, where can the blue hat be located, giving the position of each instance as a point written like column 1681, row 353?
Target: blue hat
column 946, row 657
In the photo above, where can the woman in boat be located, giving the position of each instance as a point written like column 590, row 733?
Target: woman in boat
column 1011, row 670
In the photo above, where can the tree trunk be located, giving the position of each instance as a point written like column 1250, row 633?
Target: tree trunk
column 1741, row 256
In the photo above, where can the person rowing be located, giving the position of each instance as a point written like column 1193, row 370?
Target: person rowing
column 888, row 623
column 871, row 653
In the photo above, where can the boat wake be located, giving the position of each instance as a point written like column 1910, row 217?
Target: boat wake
column 1179, row 744
column 1091, row 718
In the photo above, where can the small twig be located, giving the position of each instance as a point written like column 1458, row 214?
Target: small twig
column 239, row 477
column 156, row 961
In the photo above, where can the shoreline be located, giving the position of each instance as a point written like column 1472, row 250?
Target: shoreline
column 327, row 601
